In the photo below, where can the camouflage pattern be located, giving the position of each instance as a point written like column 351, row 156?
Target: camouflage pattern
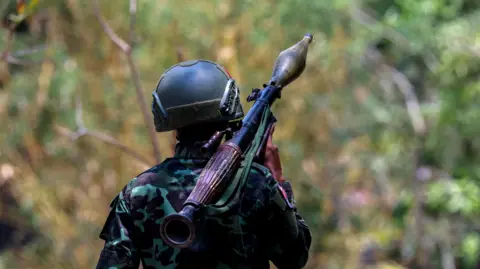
column 250, row 234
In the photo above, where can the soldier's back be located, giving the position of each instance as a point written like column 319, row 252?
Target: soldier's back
column 231, row 239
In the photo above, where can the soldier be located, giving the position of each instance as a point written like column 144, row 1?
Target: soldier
column 187, row 100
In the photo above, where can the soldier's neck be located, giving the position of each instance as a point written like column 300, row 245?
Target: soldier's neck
column 191, row 150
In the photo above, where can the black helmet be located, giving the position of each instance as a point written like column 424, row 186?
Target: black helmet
column 193, row 92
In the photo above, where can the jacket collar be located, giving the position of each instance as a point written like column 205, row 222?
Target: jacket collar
column 191, row 150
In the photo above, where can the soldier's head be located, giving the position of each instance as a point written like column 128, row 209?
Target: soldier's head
column 196, row 98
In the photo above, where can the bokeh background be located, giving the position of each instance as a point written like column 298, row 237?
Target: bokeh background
column 380, row 136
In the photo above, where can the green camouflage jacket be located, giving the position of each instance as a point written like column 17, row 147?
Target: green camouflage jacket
column 253, row 232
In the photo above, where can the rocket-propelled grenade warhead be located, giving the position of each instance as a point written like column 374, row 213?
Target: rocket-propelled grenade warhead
column 290, row 63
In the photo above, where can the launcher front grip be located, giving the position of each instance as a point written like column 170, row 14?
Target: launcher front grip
column 260, row 155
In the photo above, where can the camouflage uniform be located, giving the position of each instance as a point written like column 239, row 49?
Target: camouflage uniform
column 249, row 235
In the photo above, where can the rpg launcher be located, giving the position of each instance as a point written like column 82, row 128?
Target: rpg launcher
column 178, row 230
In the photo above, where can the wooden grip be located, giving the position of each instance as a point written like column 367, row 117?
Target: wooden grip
column 216, row 174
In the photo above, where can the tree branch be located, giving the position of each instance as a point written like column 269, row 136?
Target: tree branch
column 24, row 52
column 411, row 100
column 13, row 60
column 418, row 123
column 108, row 30
column 103, row 137
column 405, row 87
column 9, row 42
column 146, row 113
column 127, row 49
column 83, row 131
column 133, row 18
column 12, row 57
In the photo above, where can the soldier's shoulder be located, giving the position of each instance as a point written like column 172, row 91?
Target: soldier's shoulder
column 147, row 177
column 164, row 175
column 142, row 182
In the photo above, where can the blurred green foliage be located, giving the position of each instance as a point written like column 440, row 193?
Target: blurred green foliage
column 381, row 183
